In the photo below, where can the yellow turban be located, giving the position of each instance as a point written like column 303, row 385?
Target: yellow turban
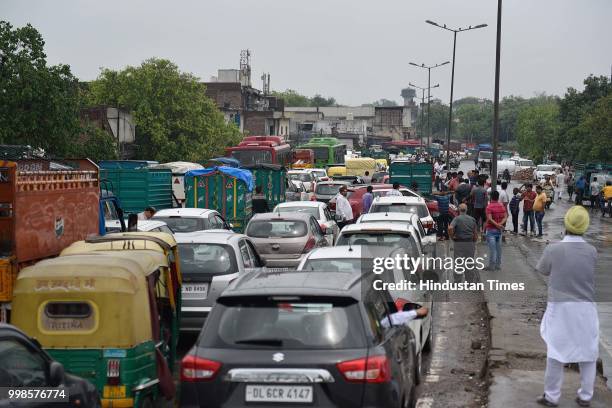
column 577, row 220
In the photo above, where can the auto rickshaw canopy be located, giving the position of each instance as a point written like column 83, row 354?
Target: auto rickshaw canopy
column 93, row 300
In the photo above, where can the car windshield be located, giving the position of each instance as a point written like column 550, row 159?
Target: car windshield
column 301, row 177
column 182, row 224
column 319, row 173
column 542, row 167
column 207, row 259
column 419, row 209
column 391, row 239
column 303, row 323
column 339, row 265
column 314, row 211
column 328, row 189
column 276, row 229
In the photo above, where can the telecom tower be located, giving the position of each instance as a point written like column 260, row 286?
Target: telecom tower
column 245, row 68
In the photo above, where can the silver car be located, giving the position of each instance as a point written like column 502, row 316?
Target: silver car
column 210, row 260
column 283, row 239
column 319, row 210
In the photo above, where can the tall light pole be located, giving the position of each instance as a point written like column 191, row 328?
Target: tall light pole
column 422, row 88
column 450, row 110
column 496, row 100
column 428, row 68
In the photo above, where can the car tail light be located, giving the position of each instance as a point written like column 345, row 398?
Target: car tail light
column 374, row 369
column 310, row 244
column 113, row 371
column 194, row 368
column 313, row 198
column 428, row 224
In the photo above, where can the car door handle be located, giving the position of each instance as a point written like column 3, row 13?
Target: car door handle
column 275, row 246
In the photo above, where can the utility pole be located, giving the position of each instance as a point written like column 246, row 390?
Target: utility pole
column 428, row 68
column 496, row 101
column 450, row 110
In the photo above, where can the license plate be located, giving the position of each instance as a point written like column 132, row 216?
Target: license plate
column 113, row 391
column 279, row 393
column 195, row 290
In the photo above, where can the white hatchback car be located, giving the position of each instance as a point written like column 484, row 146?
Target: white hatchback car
column 428, row 241
column 305, row 176
column 414, row 205
column 318, row 210
column 182, row 220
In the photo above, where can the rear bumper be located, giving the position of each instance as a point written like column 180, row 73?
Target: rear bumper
column 276, row 262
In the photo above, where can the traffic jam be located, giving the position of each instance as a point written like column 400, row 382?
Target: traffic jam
column 241, row 281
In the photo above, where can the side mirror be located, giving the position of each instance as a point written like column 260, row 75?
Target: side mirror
column 56, row 374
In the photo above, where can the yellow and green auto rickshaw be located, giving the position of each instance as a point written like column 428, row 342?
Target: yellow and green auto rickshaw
column 108, row 310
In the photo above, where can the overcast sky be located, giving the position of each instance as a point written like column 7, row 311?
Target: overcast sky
column 354, row 50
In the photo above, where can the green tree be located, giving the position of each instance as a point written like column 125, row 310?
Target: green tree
column 40, row 103
column 94, row 143
column 174, row 118
column 474, row 121
column 292, row 98
column 319, row 100
column 538, row 130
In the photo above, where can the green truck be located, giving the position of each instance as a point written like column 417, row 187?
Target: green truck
column 273, row 181
column 137, row 185
column 225, row 189
column 406, row 173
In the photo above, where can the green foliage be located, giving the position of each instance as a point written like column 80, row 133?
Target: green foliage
column 473, row 121
column 40, row 103
column 538, row 130
column 174, row 118
column 438, row 121
column 95, row 144
column 382, row 102
column 293, row 98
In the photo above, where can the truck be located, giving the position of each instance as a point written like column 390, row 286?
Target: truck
column 254, row 150
column 44, row 207
column 358, row 166
column 408, row 172
column 303, row 159
column 178, row 170
column 484, row 157
column 225, row 189
column 138, row 184
column 273, row 181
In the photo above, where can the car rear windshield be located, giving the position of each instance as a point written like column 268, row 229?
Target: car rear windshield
column 207, row 259
column 314, row 211
column 284, row 322
column 277, row 229
column 383, row 193
column 339, row 265
column 389, row 239
column 301, row 177
column 419, row 209
column 328, row 189
column 182, row 224
column 319, row 173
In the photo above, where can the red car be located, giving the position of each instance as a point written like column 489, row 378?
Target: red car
column 355, row 197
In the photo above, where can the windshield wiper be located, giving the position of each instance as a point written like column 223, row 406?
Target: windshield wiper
column 261, row 342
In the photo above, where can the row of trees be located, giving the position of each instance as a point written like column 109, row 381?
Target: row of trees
column 293, row 98
column 41, row 106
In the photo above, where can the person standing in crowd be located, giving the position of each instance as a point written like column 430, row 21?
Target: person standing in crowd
column 549, row 189
column 259, row 203
column 580, row 187
column 478, row 197
column 528, row 198
column 463, row 230
column 394, row 191
column 147, row 214
column 496, row 221
column 343, row 208
column 539, row 207
column 595, row 189
column 474, row 177
column 462, row 192
column 607, row 195
column 503, row 195
column 443, row 199
column 514, row 209
column 367, row 199
column 453, row 183
column 414, row 186
column 506, row 175
column 569, row 182
column 438, row 174
column 570, row 326
column 367, row 179
column 560, row 180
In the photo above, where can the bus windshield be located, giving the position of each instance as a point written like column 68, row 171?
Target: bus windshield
column 252, row 157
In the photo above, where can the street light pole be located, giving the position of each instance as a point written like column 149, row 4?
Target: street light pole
column 496, row 100
column 423, row 88
column 450, row 111
column 428, row 68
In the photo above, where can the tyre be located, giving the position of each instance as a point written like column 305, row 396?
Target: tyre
column 418, row 368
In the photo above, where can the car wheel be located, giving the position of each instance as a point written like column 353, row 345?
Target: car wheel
column 418, row 368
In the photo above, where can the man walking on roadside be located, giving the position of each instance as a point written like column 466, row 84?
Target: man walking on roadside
column 560, row 180
column 367, row 199
column 539, row 207
column 343, row 208
column 463, row 192
column 463, row 230
column 595, row 189
column 580, row 187
column 479, row 201
column 514, row 209
column 570, row 326
column 496, row 220
column 528, row 199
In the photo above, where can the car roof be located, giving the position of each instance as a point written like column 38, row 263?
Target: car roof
column 300, row 204
column 284, row 216
column 295, row 171
column 145, row 225
column 297, row 283
column 6, row 328
column 348, row 252
column 376, row 227
column 183, row 212
column 207, row 237
column 388, row 216
column 399, row 200
column 334, row 182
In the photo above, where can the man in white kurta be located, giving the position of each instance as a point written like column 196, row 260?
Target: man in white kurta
column 570, row 326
